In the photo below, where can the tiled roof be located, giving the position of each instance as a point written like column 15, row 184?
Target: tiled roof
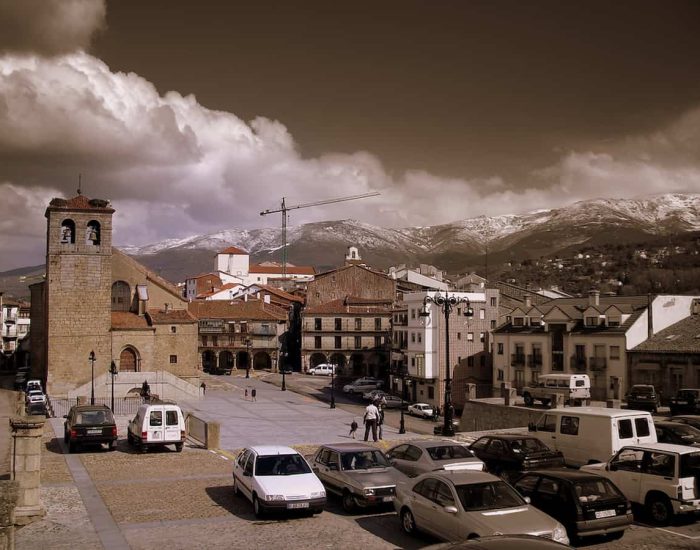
column 277, row 269
column 125, row 320
column 217, row 290
column 351, row 266
column 233, row 250
column 282, row 294
column 253, row 310
column 80, row 202
column 170, row 317
column 681, row 337
column 350, row 307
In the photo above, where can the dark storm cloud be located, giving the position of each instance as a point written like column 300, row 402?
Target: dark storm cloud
column 49, row 27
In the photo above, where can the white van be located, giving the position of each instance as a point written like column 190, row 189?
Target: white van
column 575, row 388
column 586, row 435
column 157, row 425
column 324, row 369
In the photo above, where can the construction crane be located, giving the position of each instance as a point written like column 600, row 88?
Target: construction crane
column 284, row 209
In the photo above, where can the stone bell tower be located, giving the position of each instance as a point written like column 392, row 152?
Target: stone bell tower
column 77, row 294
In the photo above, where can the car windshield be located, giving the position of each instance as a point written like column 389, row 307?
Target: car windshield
column 686, row 432
column 94, row 417
column 528, row 445
column 593, row 490
column 363, row 460
column 488, row 496
column 281, row 465
column 690, row 465
column 448, row 452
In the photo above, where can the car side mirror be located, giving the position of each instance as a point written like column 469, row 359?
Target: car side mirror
column 450, row 509
column 528, row 500
column 531, row 427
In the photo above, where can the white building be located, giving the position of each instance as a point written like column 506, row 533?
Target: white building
column 233, row 266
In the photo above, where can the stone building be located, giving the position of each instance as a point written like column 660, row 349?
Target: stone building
column 97, row 299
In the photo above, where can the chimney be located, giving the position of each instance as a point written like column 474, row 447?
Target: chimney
column 528, row 301
column 593, row 297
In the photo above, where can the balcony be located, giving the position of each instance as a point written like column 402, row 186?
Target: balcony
column 263, row 331
column 598, row 363
column 534, row 361
column 517, row 359
column 578, row 362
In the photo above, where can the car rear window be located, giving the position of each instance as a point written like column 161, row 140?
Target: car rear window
column 690, row 465
column 594, row 490
column 171, row 418
column 488, row 496
column 94, row 417
column 447, row 452
column 642, row 426
column 281, row 465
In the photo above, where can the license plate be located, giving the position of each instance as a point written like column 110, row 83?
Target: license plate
column 604, row 513
column 387, row 499
column 681, row 402
column 94, row 431
column 293, row 505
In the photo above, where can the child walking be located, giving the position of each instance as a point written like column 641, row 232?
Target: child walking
column 353, row 428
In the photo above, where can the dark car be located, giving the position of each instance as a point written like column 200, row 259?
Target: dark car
column 89, row 424
column 686, row 401
column 585, row 503
column 677, row 433
column 509, row 454
column 690, row 419
column 643, row 397
column 37, row 409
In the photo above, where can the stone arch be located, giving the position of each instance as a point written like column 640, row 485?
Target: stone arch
column 93, row 234
column 357, row 364
column 129, row 360
column 208, row 361
column 67, row 234
column 262, row 361
column 225, row 361
column 339, row 360
column 317, row 358
column 121, row 296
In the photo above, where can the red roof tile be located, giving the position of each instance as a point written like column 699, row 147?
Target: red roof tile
column 349, row 307
column 233, row 250
column 277, row 269
column 239, row 310
column 125, row 320
column 171, row 317
column 80, row 202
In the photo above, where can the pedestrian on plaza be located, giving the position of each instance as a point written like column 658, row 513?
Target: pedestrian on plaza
column 353, row 429
column 380, row 418
column 246, row 394
column 204, row 388
column 253, row 393
column 145, row 389
column 370, row 419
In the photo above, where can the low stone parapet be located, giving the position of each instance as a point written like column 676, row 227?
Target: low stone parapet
column 207, row 434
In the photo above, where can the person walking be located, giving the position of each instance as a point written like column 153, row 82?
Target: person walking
column 204, row 388
column 353, row 429
column 371, row 418
column 253, row 393
column 380, row 418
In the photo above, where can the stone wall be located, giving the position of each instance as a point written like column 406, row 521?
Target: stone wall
column 353, row 281
column 182, row 344
column 492, row 414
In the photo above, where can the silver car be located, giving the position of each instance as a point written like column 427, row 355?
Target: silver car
column 457, row 505
column 359, row 473
column 427, row 455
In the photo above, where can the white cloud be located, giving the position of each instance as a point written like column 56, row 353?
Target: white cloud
column 49, row 27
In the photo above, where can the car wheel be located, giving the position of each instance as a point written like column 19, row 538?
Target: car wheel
column 408, row 523
column 257, row 507
column 617, row 535
column 349, row 503
column 178, row 447
column 112, row 445
column 529, row 401
column 659, row 509
column 545, row 402
column 129, row 439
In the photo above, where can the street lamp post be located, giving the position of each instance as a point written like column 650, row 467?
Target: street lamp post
column 332, row 386
column 247, row 364
column 113, row 372
column 404, row 383
column 284, row 370
column 446, row 303
column 92, row 377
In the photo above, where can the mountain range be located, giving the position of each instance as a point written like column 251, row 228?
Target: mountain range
column 455, row 247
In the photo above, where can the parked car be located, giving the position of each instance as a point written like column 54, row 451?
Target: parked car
column 643, row 397
column 426, row 455
column 677, row 433
column 456, row 505
column 686, row 401
column 324, row 369
column 157, row 425
column 274, row 477
column 585, row 503
column 690, row 419
column 659, row 476
column 38, row 409
column 575, row 388
column 506, row 455
column 35, row 396
column 372, row 395
column 34, row 385
column 359, row 473
column 503, row 542
column 362, row 385
column 392, row 402
column 87, row 424
column 421, row 409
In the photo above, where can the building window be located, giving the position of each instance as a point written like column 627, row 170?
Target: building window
column 482, row 314
column 470, row 336
column 413, row 337
column 459, row 336
column 500, row 375
column 518, row 321
column 204, row 340
column 317, row 324
column 317, row 342
column 500, row 348
column 413, row 361
column 413, row 313
column 493, row 302
column 358, row 342
column 173, row 329
column 173, row 359
column 431, row 392
column 338, row 323
column 470, row 361
column 420, row 338
column 482, row 337
column 214, row 341
column 121, row 296
column 493, row 323
column 377, row 341
column 614, row 352
column 358, row 323
column 377, row 323
column 338, row 342
column 591, row 321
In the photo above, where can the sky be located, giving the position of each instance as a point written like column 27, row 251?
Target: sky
column 192, row 117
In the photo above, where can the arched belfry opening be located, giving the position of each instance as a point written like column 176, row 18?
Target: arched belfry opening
column 67, row 235
column 92, row 233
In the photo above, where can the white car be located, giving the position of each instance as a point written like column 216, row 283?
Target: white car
column 323, row 369
column 362, row 385
column 274, row 477
column 36, row 396
column 421, row 409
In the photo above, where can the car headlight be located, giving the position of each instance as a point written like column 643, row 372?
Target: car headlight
column 274, row 497
column 559, row 534
column 369, row 492
column 318, row 494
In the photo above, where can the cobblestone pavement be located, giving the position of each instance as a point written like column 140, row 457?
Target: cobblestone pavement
column 165, row 499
